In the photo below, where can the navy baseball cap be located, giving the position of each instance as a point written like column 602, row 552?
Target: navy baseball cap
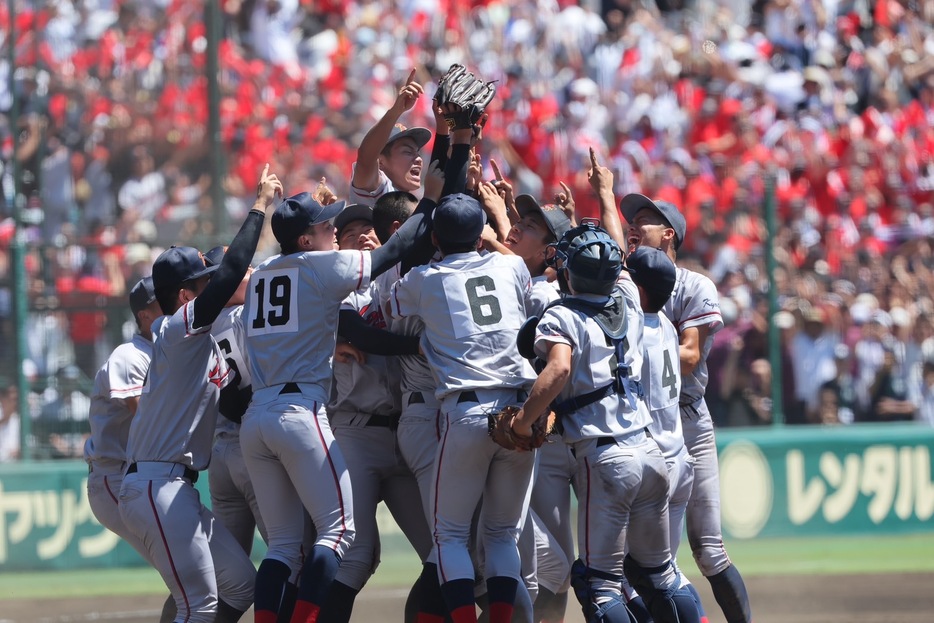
column 421, row 136
column 353, row 212
column 633, row 202
column 458, row 219
column 176, row 265
column 297, row 213
column 555, row 218
column 652, row 269
column 215, row 256
column 142, row 295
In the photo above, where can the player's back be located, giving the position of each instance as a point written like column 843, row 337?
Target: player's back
column 661, row 380
column 473, row 306
column 694, row 303
column 177, row 409
column 120, row 377
column 291, row 312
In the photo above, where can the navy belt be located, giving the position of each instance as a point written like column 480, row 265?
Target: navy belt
column 471, row 396
column 385, row 421
column 605, row 441
column 416, row 398
column 190, row 474
column 290, row 388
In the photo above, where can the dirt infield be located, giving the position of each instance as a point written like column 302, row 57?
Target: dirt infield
column 892, row 598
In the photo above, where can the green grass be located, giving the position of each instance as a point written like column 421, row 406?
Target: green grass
column 786, row 556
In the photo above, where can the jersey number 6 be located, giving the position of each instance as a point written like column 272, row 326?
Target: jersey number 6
column 483, row 307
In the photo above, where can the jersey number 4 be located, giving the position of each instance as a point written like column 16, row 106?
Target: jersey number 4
column 669, row 378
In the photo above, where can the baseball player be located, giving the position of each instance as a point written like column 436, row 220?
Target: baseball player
column 694, row 309
column 532, row 238
column 590, row 346
column 170, row 439
column 364, row 413
column 233, row 501
column 117, row 387
column 654, row 273
column 291, row 317
column 472, row 307
column 389, row 155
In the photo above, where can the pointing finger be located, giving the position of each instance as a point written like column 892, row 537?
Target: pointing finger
column 593, row 158
column 496, row 171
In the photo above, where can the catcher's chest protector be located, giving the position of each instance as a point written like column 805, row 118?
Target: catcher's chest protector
column 611, row 318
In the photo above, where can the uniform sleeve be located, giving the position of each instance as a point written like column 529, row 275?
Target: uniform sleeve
column 552, row 329
column 701, row 306
column 369, row 197
column 340, row 273
column 126, row 372
column 180, row 326
column 405, row 296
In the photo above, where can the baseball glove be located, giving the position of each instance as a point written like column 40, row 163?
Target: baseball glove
column 502, row 433
column 470, row 95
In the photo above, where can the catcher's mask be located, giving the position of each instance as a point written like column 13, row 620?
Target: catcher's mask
column 587, row 259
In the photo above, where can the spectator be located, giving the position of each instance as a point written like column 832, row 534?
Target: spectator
column 837, row 400
column 9, row 422
column 812, row 350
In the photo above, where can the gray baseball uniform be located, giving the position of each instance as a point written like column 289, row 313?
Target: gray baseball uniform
column 290, row 316
column 621, row 478
column 695, row 303
column 472, row 307
column 170, row 441
column 120, row 377
column 364, row 413
column 232, row 498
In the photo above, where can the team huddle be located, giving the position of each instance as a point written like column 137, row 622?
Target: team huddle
column 466, row 356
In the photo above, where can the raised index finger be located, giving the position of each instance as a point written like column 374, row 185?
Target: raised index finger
column 265, row 171
column 593, row 157
column 411, row 76
column 496, row 171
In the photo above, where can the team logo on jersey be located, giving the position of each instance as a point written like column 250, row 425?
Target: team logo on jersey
column 373, row 315
column 711, row 304
column 219, row 374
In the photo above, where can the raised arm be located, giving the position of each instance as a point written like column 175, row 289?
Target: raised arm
column 226, row 280
column 601, row 180
column 366, row 172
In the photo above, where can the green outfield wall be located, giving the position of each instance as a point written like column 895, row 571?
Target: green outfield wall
column 775, row 482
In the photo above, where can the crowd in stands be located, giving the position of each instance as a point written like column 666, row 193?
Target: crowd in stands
column 698, row 103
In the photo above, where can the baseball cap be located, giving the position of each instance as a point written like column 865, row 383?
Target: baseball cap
column 555, row 218
column 142, row 295
column 652, row 269
column 421, row 136
column 633, row 202
column 176, row 265
column 299, row 212
column 353, row 212
column 215, row 256
column 458, row 219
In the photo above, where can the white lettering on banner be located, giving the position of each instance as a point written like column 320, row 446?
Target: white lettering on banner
column 894, row 479
column 63, row 511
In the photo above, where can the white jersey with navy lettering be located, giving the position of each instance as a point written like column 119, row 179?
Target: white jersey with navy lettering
column 228, row 333
column 176, row 424
column 291, row 312
column 373, row 387
column 120, row 377
column 591, row 364
column 694, row 303
column 661, row 380
column 472, row 306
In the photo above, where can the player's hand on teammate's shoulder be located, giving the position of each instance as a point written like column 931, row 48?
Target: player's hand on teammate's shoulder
column 268, row 188
column 434, row 181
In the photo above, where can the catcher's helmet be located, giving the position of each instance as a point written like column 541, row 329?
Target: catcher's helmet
column 590, row 259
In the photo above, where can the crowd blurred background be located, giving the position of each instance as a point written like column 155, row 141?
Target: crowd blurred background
column 695, row 102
